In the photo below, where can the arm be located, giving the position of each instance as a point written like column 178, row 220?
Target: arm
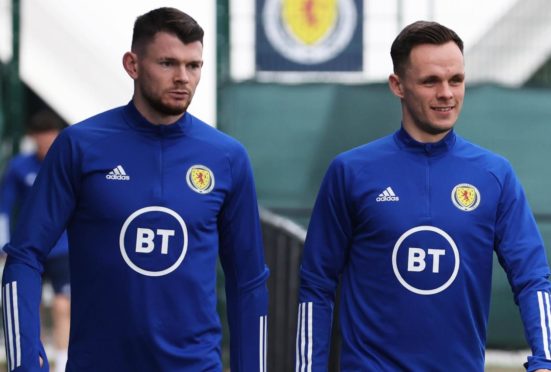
column 323, row 260
column 41, row 222
column 521, row 253
column 242, row 258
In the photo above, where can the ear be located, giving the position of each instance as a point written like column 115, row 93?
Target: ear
column 395, row 85
column 130, row 64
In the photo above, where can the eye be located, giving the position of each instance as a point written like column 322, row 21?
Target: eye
column 457, row 80
column 195, row 65
column 429, row 81
column 166, row 63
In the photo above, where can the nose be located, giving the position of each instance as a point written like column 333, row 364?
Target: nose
column 181, row 74
column 444, row 91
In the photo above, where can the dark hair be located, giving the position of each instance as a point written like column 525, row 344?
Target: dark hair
column 44, row 121
column 417, row 33
column 170, row 20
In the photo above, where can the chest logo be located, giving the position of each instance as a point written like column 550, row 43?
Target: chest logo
column 387, row 195
column 153, row 241
column 425, row 260
column 118, row 174
column 466, row 197
column 200, row 179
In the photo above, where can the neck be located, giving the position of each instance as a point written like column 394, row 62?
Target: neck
column 429, row 135
column 154, row 116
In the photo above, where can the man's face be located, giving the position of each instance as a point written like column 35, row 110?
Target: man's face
column 167, row 74
column 431, row 89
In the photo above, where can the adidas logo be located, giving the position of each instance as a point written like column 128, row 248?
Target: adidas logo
column 387, row 196
column 118, row 173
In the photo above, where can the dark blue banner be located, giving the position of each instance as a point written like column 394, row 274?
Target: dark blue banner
column 309, row 35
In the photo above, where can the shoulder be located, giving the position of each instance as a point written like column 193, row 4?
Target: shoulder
column 95, row 128
column 480, row 157
column 215, row 140
column 365, row 155
column 101, row 123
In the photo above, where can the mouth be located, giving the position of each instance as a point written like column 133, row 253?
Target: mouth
column 443, row 108
column 179, row 94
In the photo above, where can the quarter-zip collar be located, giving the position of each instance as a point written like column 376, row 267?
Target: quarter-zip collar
column 136, row 121
column 406, row 142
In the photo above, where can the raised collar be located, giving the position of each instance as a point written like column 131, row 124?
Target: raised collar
column 135, row 120
column 406, row 142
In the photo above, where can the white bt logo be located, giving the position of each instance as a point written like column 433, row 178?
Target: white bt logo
column 387, row 195
column 417, row 259
column 153, row 251
column 145, row 242
column 118, row 174
column 425, row 260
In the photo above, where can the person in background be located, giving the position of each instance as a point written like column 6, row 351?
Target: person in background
column 17, row 181
column 409, row 223
column 150, row 196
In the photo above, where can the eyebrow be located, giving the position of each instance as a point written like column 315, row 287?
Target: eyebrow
column 438, row 78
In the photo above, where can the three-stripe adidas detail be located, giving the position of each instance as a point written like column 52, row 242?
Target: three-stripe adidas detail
column 262, row 343
column 545, row 322
column 305, row 338
column 11, row 325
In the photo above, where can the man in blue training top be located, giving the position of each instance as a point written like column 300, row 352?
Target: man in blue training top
column 151, row 196
column 409, row 224
column 17, row 181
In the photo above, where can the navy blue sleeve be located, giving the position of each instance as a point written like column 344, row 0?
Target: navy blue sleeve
column 323, row 260
column 242, row 258
column 521, row 252
column 43, row 219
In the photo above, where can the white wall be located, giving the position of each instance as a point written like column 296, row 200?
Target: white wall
column 71, row 53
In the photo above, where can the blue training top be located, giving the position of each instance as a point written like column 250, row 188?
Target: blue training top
column 148, row 209
column 411, row 229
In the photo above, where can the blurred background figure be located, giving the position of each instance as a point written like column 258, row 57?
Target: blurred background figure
column 18, row 178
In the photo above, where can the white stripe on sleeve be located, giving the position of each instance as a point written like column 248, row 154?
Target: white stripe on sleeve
column 303, row 336
column 305, row 341
column 297, row 353
column 544, row 330
column 265, row 342
column 261, row 350
column 11, row 322
column 310, row 334
column 6, row 333
column 548, row 314
column 16, row 325
column 10, row 327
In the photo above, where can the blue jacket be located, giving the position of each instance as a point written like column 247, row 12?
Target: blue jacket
column 148, row 209
column 411, row 229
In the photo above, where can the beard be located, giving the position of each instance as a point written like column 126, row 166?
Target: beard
column 156, row 102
